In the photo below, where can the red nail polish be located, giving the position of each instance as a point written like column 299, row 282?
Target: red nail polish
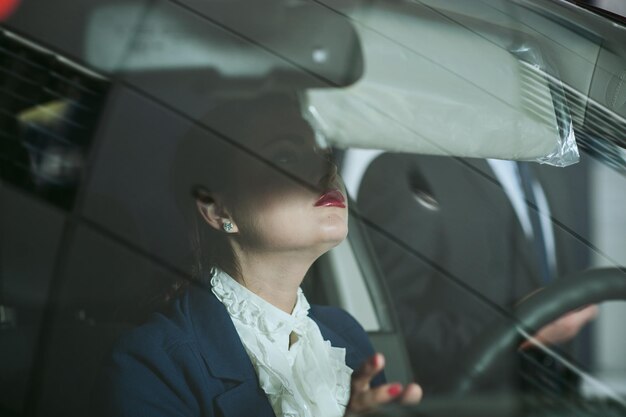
column 395, row 390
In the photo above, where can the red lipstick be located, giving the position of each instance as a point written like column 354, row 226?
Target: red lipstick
column 331, row 198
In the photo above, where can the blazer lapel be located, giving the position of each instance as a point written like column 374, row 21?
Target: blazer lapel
column 354, row 356
column 225, row 356
column 526, row 264
column 245, row 399
column 525, row 257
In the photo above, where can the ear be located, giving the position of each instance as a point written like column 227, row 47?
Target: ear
column 214, row 214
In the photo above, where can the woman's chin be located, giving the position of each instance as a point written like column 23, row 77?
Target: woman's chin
column 334, row 234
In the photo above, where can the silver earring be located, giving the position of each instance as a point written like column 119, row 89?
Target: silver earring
column 227, row 226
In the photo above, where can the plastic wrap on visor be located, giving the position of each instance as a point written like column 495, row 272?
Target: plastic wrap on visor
column 430, row 99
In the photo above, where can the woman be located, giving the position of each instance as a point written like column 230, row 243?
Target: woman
column 265, row 203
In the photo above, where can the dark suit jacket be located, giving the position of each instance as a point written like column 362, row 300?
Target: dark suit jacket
column 191, row 362
column 453, row 251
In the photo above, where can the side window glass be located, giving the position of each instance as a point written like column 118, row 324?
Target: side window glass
column 49, row 108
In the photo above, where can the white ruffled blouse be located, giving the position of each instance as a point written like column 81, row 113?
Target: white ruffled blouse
column 307, row 379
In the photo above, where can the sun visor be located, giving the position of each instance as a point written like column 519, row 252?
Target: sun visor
column 432, row 86
column 243, row 44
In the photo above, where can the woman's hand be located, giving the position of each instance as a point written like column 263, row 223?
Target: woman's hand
column 364, row 398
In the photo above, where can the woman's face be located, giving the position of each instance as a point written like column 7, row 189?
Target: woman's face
column 286, row 194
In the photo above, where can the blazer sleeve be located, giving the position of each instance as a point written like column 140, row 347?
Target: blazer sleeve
column 143, row 377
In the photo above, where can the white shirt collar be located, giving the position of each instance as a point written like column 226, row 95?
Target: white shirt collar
column 308, row 379
column 251, row 310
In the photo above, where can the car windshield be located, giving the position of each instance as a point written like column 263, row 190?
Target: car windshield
column 481, row 148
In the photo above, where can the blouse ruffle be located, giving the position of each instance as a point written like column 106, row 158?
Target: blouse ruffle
column 310, row 378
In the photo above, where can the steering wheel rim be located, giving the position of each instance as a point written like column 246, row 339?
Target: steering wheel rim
column 566, row 294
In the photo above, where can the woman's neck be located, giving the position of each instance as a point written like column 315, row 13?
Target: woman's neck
column 275, row 277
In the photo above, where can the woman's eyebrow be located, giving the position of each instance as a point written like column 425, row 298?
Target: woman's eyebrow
column 295, row 139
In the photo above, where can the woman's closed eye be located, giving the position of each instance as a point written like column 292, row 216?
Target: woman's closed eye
column 285, row 156
column 288, row 150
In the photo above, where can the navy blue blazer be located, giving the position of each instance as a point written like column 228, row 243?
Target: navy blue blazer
column 191, row 362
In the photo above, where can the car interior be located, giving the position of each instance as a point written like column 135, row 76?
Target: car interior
column 414, row 97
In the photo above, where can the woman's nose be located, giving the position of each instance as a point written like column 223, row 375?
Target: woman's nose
column 328, row 178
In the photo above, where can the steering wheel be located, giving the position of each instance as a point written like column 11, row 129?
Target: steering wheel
column 566, row 294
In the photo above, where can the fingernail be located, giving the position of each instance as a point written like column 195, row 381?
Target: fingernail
column 395, row 390
column 376, row 360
